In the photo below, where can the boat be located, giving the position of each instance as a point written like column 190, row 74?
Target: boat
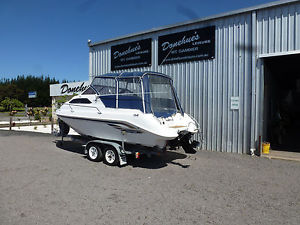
column 135, row 108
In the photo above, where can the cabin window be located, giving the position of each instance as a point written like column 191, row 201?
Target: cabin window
column 81, row 100
column 106, row 87
column 130, row 93
column 89, row 91
column 162, row 97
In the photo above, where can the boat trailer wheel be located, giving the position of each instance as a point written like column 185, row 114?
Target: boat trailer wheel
column 94, row 153
column 111, row 156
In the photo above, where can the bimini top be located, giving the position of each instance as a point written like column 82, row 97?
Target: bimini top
column 132, row 74
column 149, row 92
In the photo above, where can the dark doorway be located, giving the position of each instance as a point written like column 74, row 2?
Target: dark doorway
column 282, row 102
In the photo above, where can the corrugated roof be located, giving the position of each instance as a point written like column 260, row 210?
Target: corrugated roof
column 245, row 10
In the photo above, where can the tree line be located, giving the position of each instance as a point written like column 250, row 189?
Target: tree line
column 18, row 88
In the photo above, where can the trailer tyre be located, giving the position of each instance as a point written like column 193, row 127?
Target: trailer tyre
column 111, row 156
column 94, row 153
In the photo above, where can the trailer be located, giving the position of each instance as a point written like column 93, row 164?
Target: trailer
column 110, row 152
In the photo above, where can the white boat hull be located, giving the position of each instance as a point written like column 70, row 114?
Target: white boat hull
column 116, row 131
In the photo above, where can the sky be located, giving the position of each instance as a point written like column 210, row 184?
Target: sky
column 49, row 37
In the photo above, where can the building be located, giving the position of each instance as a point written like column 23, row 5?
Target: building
column 237, row 73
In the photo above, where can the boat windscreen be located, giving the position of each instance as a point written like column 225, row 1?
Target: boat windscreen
column 106, row 87
column 163, row 100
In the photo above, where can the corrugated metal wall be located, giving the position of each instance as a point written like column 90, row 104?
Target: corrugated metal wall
column 278, row 31
column 205, row 87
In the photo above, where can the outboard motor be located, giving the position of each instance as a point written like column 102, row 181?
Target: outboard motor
column 188, row 145
column 185, row 141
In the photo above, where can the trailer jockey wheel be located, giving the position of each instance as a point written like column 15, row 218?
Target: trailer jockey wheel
column 94, row 153
column 111, row 156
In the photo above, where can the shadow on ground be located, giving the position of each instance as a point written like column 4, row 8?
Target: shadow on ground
column 70, row 146
column 153, row 162
column 157, row 161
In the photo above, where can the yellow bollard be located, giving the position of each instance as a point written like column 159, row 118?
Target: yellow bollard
column 266, row 147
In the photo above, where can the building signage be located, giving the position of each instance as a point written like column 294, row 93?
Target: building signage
column 131, row 55
column 234, row 103
column 68, row 88
column 187, row 46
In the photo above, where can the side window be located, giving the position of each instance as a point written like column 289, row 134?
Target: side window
column 130, row 94
column 89, row 91
column 81, row 100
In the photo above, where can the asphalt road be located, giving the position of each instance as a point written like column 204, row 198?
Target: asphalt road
column 41, row 183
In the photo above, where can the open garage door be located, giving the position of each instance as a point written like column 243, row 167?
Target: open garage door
column 282, row 102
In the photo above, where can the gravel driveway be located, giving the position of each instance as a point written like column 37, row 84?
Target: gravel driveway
column 41, row 183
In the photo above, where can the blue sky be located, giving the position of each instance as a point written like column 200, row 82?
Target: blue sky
column 49, row 37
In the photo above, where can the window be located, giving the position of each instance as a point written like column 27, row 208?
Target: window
column 89, row 91
column 130, row 93
column 163, row 101
column 106, row 88
column 81, row 100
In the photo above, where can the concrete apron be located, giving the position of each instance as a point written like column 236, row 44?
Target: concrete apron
column 293, row 156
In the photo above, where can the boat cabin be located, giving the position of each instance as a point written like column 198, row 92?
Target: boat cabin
column 148, row 92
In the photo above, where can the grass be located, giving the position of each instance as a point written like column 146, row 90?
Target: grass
column 22, row 109
column 18, row 115
column 19, row 109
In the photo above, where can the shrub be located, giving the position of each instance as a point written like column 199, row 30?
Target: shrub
column 62, row 99
column 45, row 111
column 30, row 112
column 50, row 117
column 12, row 113
column 8, row 104
column 37, row 115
